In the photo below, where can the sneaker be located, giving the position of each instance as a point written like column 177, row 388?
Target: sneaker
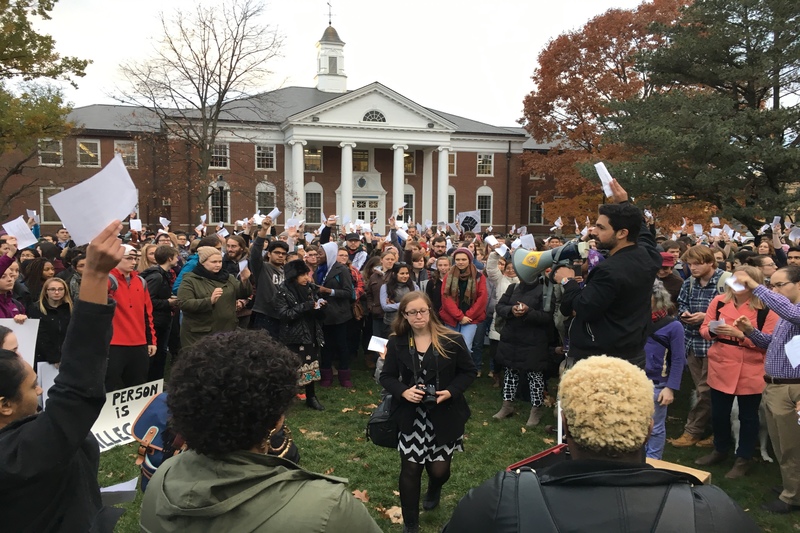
column 780, row 507
column 684, row 440
column 708, row 442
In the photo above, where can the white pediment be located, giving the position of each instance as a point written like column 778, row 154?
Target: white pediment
column 350, row 109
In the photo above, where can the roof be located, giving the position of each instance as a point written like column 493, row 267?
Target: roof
column 466, row 125
column 102, row 117
column 531, row 143
column 330, row 36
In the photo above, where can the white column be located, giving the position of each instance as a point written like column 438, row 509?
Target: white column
column 295, row 199
column 397, row 176
column 443, row 183
column 427, row 186
column 346, row 190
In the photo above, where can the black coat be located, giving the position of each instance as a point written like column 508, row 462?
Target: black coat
column 52, row 330
column 456, row 372
column 49, row 461
column 434, row 291
column 524, row 340
column 160, row 289
column 340, row 305
column 301, row 324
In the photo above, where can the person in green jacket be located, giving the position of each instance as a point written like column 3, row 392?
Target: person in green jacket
column 208, row 297
column 228, row 396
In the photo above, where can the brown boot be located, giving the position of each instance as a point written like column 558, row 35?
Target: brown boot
column 535, row 417
column 684, row 440
column 505, row 411
column 713, row 458
column 740, row 467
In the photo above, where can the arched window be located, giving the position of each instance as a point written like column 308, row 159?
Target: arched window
column 373, row 115
column 265, row 197
column 219, row 202
column 313, row 191
column 484, row 204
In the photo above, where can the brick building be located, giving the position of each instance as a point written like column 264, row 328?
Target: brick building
column 356, row 153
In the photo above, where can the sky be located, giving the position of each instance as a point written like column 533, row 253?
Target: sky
column 464, row 57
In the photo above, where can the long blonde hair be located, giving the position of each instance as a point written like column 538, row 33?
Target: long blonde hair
column 143, row 263
column 401, row 327
column 755, row 273
column 43, row 296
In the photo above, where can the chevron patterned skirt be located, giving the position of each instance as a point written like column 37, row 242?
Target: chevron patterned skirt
column 420, row 446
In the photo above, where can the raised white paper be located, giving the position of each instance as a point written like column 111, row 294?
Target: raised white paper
column 110, row 195
column 46, row 375
column 135, row 224
column 715, row 221
column 698, row 229
column 794, row 234
column 502, row 250
column 716, row 232
column 309, row 237
column 19, row 228
column 203, row 218
column 402, row 234
column 291, row 223
column 605, row 178
column 491, row 240
column 242, row 265
column 223, row 233
column 776, row 221
column 516, row 244
column 377, row 344
column 274, row 213
column 735, row 285
column 527, row 242
column 32, row 214
column 164, row 222
column 26, row 336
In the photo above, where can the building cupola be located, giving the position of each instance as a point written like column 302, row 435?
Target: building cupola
column 330, row 63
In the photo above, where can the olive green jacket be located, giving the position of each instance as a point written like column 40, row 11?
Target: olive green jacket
column 248, row 492
column 200, row 316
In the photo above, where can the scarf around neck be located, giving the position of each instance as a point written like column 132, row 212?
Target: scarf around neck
column 470, row 275
column 221, row 276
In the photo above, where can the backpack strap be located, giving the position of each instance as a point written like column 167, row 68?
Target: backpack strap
column 677, row 510
column 533, row 511
column 761, row 318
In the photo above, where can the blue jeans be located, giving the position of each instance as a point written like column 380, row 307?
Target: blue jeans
column 477, row 344
column 468, row 332
column 655, row 444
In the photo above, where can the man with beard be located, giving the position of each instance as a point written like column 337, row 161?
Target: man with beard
column 612, row 312
column 438, row 249
column 235, row 251
column 268, row 275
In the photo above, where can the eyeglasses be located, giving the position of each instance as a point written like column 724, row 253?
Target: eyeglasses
column 421, row 312
column 782, row 283
column 55, row 289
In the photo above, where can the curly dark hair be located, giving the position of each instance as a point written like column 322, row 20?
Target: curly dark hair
column 227, row 392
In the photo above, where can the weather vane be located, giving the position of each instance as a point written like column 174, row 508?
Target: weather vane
column 330, row 15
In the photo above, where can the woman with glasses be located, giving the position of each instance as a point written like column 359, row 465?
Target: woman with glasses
column 54, row 310
column 427, row 370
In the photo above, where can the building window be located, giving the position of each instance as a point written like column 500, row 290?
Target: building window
column 88, row 153
column 265, row 197
column 451, row 163
column 313, row 203
column 535, row 177
column 219, row 156
column 219, row 202
column 374, row 116
column 48, row 214
column 451, row 204
column 535, row 211
column 409, row 162
column 485, row 164
column 484, row 204
column 360, row 160
column 332, row 69
column 51, row 153
column 265, row 157
column 127, row 149
column 313, row 159
column 408, row 199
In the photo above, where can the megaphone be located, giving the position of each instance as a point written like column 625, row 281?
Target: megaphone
column 529, row 264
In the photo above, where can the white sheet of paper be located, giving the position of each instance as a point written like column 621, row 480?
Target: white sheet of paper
column 402, row 234
column 223, row 233
column 522, row 230
column 200, row 228
column 714, row 324
column 19, row 229
column 26, row 336
column 794, row 234
column 793, row 351
column 46, row 375
column 377, row 344
column 513, row 229
column 502, row 250
column 203, row 218
column 366, row 228
column 527, row 242
column 346, row 220
column 122, row 487
column 787, row 224
column 120, row 493
column 516, row 244
column 274, row 213
column 135, row 224
column 32, row 214
column 735, row 285
column 716, row 232
column 491, row 240
column 258, row 219
column 698, row 229
column 715, row 221
column 489, row 229
column 164, row 221
column 291, row 223
column 309, row 237
column 605, row 178
column 242, row 264
column 584, row 232
column 776, row 220
column 454, row 228
column 683, row 226
column 110, row 194
column 429, row 223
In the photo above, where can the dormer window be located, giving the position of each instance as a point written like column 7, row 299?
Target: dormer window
column 373, row 116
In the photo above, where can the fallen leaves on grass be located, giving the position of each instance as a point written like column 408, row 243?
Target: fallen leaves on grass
column 303, row 431
column 361, row 495
column 396, row 492
column 486, row 423
column 549, row 441
column 328, row 472
column 315, row 435
column 347, row 409
column 371, row 406
column 523, row 430
column 395, row 514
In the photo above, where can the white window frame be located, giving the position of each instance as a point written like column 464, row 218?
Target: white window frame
column 262, row 147
column 484, row 191
column 313, row 187
column 42, row 204
column 451, row 211
column 212, row 188
column 214, row 154
column 478, row 164
column 408, row 190
column 413, row 157
column 79, row 152
column 266, row 187
column 60, row 152
column 321, row 162
column 531, row 201
column 118, row 150
column 452, row 158
column 534, row 177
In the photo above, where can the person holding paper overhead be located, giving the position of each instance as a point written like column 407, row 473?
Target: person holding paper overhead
column 612, row 311
column 49, row 460
column 782, row 375
column 735, row 370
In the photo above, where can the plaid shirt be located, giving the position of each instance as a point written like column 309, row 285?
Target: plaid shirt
column 777, row 363
column 695, row 298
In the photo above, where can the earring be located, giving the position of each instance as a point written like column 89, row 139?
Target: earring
column 280, row 451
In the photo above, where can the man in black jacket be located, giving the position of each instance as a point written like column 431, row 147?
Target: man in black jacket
column 606, row 487
column 267, row 275
column 159, row 285
column 612, row 311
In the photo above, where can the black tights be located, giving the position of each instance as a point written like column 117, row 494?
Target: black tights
column 410, row 481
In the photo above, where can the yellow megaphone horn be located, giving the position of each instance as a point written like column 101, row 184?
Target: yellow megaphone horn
column 529, row 264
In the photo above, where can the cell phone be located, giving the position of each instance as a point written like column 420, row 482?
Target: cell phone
column 578, row 269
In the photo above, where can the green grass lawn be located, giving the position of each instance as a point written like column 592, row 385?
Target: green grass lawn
column 333, row 442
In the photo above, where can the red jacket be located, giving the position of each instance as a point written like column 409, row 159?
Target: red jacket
column 452, row 315
column 133, row 317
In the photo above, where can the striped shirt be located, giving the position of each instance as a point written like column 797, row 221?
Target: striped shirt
column 695, row 298
column 777, row 365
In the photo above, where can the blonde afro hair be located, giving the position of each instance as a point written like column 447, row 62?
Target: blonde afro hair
column 608, row 405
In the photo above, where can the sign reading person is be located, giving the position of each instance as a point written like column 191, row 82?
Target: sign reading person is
column 113, row 426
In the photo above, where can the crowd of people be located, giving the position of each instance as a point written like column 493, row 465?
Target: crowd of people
column 262, row 317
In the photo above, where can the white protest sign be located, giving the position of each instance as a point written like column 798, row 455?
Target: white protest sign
column 776, row 221
column 516, row 244
column 203, row 218
column 110, row 195
column 19, row 229
column 46, row 376
column 26, row 335
column 402, row 234
column 135, row 224
column 113, row 427
column 605, row 178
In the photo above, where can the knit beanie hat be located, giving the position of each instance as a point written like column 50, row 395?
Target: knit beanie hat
column 204, row 252
column 463, row 250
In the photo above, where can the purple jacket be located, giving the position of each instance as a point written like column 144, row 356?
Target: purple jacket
column 9, row 307
column 655, row 367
